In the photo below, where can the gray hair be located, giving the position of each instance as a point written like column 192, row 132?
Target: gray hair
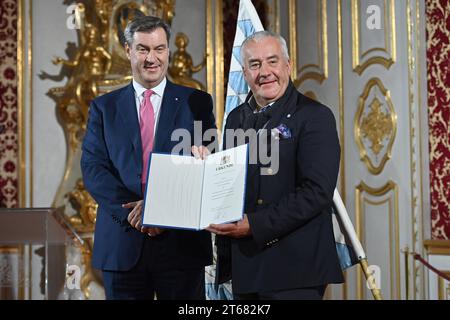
column 258, row 36
column 145, row 24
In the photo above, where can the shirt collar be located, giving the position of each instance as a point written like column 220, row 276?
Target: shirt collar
column 158, row 90
column 251, row 101
column 254, row 105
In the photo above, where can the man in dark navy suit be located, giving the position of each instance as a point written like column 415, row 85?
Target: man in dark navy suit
column 124, row 127
column 284, row 247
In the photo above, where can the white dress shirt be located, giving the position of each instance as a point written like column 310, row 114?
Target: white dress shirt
column 156, row 98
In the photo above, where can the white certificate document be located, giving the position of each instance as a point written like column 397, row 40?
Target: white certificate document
column 183, row 192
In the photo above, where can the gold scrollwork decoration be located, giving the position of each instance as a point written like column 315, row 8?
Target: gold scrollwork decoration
column 85, row 206
column 89, row 276
column 387, row 194
column 388, row 53
column 182, row 67
column 121, row 13
column 167, row 9
column 91, row 63
column 314, row 71
column 375, row 126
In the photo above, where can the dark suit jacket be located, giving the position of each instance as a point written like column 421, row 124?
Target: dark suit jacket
column 112, row 165
column 292, row 243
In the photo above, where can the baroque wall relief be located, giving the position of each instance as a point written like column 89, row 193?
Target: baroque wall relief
column 382, row 49
column 375, row 126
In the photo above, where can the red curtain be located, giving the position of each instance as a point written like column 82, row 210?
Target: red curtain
column 438, row 65
column 8, row 105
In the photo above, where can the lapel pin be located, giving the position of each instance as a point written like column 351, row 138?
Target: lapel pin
column 288, row 116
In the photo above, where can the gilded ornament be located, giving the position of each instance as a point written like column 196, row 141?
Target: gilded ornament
column 375, row 126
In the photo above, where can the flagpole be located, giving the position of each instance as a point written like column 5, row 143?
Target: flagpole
column 370, row 280
column 348, row 226
column 247, row 23
column 356, row 244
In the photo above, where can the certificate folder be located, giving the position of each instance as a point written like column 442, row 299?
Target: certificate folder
column 188, row 193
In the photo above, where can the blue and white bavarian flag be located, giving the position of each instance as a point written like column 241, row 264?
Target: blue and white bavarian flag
column 247, row 24
column 348, row 247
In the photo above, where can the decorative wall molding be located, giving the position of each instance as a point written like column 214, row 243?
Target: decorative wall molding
column 375, row 126
column 385, row 55
column 386, row 195
column 317, row 71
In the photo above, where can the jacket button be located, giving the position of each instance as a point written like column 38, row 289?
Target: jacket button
column 260, row 201
column 139, row 175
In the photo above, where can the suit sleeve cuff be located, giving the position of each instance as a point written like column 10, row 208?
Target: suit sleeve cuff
column 261, row 235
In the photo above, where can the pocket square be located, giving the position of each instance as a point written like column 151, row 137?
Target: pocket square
column 282, row 132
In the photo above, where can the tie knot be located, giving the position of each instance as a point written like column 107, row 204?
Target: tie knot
column 148, row 93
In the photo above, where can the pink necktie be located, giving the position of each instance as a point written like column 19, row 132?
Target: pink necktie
column 147, row 124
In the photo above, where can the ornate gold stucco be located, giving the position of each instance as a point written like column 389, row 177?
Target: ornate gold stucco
column 375, row 126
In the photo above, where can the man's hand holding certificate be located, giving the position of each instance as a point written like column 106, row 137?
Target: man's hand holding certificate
column 189, row 193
